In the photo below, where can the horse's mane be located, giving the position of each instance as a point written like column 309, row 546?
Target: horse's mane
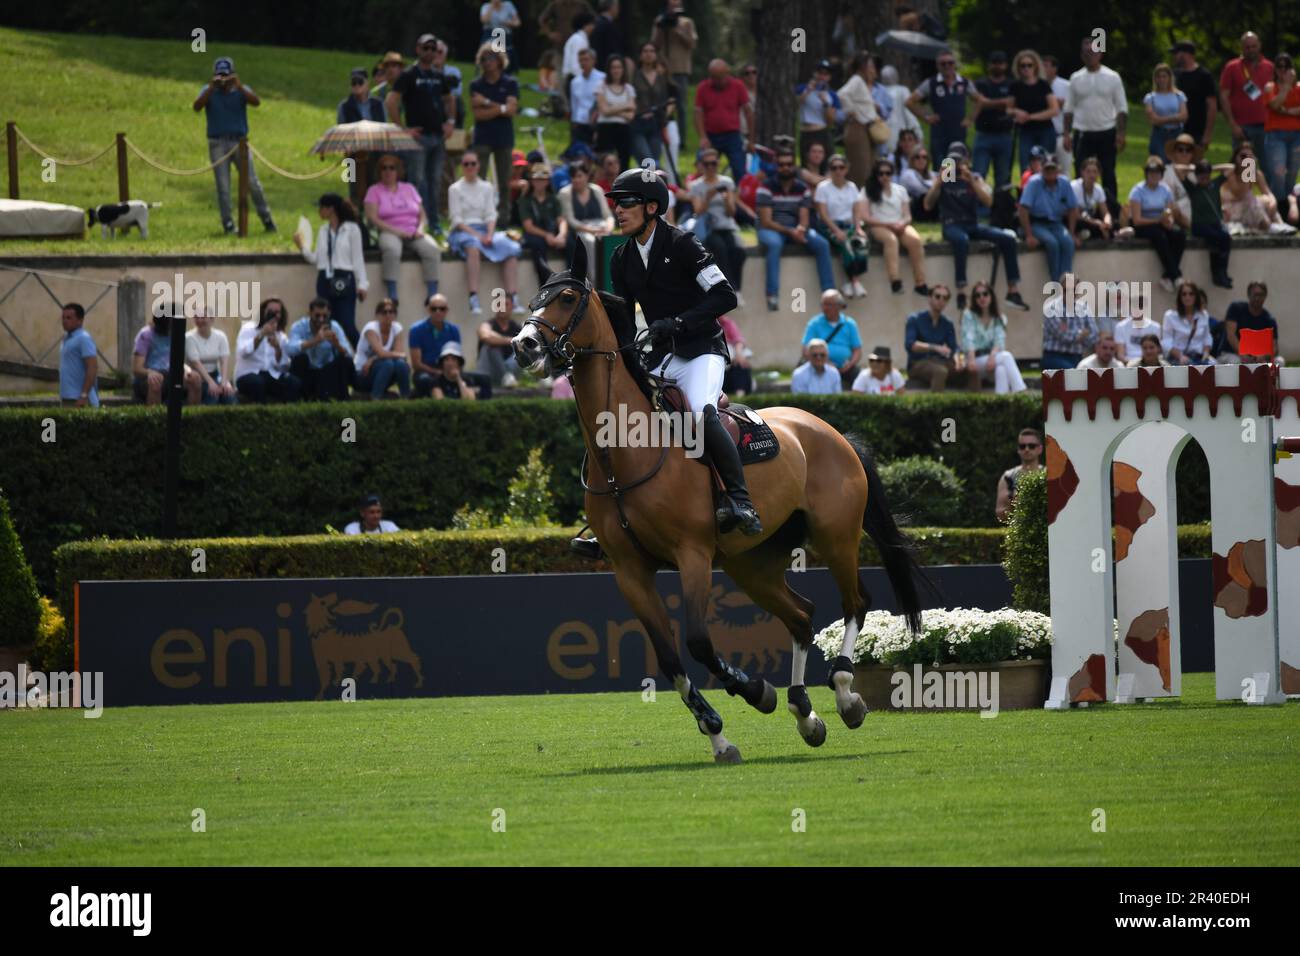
column 624, row 325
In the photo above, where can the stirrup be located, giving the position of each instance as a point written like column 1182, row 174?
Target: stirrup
column 732, row 515
column 588, row 548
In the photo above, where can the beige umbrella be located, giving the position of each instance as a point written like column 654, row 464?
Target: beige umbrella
column 365, row 136
column 362, row 138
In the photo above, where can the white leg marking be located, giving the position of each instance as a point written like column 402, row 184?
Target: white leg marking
column 719, row 743
column 797, row 662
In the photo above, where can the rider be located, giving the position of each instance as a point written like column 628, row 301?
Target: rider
column 682, row 293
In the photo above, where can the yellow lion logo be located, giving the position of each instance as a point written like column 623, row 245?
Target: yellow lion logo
column 333, row 647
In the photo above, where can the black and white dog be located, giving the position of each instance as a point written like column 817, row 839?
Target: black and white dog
column 121, row 215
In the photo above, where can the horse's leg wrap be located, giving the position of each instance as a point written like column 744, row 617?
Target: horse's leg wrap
column 754, row 691
column 706, row 718
column 811, row 727
column 840, row 665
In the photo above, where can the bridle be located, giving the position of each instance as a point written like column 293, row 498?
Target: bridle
column 561, row 349
column 562, row 353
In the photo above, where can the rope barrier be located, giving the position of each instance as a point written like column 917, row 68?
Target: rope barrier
column 61, row 162
column 288, row 175
column 181, row 172
column 171, row 171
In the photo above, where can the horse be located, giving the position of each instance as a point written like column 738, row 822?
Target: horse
column 653, row 508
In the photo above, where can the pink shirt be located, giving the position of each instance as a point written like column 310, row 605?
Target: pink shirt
column 399, row 208
column 730, row 330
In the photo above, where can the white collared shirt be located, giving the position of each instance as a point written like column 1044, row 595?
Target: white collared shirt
column 348, row 253
column 1095, row 99
column 644, row 249
column 474, row 202
column 250, row 360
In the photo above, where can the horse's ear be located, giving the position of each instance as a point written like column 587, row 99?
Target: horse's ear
column 578, row 264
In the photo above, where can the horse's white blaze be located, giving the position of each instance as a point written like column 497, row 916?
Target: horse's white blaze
column 797, row 661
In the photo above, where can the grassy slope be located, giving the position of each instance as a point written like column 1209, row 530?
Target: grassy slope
column 145, row 87
column 607, row 779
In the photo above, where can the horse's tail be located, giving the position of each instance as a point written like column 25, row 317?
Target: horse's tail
column 897, row 551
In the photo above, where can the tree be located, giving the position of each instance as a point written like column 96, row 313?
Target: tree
column 20, row 604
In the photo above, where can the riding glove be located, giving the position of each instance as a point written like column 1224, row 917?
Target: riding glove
column 661, row 330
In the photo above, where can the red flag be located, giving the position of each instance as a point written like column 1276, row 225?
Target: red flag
column 1255, row 342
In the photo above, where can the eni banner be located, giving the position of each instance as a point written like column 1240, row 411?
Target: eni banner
column 185, row 642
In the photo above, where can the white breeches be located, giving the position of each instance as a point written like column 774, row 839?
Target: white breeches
column 700, row 378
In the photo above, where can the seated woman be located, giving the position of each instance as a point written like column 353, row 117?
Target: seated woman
column 477, row 233
column 394, row 209
column 1151, row 208
column 984, row 338
column 1151, row 354
column 917, row 179
column 835, row 200
column 545, row 230
column 1185, row 334
column 813, row 171
column 1248, row 204
column 262, row 357
column 880, row 377
column 585, row 209
column 888, row 217
column 380, row 360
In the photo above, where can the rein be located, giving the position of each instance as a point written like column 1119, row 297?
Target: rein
column 563, row 352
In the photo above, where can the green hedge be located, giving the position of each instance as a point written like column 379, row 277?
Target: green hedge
column 410, row 554
column 283, row 470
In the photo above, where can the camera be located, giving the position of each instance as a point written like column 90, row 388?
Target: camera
column 668, row 20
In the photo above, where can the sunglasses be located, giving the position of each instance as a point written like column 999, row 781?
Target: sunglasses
column 983, row 294
column 1024, row 447
column 437, row 308
column 750, row 73
column 627, row 202
column 359, row 81
column 388, row 168
column 387, row 311
column 469, row 164
column 940, row 298
column 710, row 162
column 785, row 165
column 1182, row 149
column 838, row 166
column 1024, row 66
column 944, row 64
column 884, row 173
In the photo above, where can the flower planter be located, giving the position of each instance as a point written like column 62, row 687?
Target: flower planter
column 1022, row 685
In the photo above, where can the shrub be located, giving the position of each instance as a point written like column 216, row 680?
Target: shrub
column 53, row 651
column 1026, row 545
column 20, row 606
column 927, row 491
column 529, row 505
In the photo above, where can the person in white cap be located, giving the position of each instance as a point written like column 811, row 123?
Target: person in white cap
column 453, row 385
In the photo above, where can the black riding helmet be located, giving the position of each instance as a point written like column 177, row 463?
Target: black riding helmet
column 643, row 183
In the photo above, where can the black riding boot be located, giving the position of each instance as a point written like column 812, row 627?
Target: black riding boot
column 738, row 512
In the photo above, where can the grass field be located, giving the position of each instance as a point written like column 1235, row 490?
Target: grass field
column 608, row 779
column 145, row 88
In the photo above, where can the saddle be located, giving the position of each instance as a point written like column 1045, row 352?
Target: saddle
column 754, row 438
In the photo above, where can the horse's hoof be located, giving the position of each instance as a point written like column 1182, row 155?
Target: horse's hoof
column 817, row 736
column 767, row 703
column 854, row 713
column 730, row 755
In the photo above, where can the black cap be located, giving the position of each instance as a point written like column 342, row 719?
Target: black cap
column 370, row 500
column 360, row 74
column 824, row 65
column 1183, row 46
column 997, row 56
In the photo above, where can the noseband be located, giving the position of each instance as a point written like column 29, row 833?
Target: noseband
column 560, row 349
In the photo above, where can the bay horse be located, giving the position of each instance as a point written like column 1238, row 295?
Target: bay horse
column 653, row 508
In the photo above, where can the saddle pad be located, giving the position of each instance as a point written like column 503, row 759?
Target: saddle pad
column 756, row 441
